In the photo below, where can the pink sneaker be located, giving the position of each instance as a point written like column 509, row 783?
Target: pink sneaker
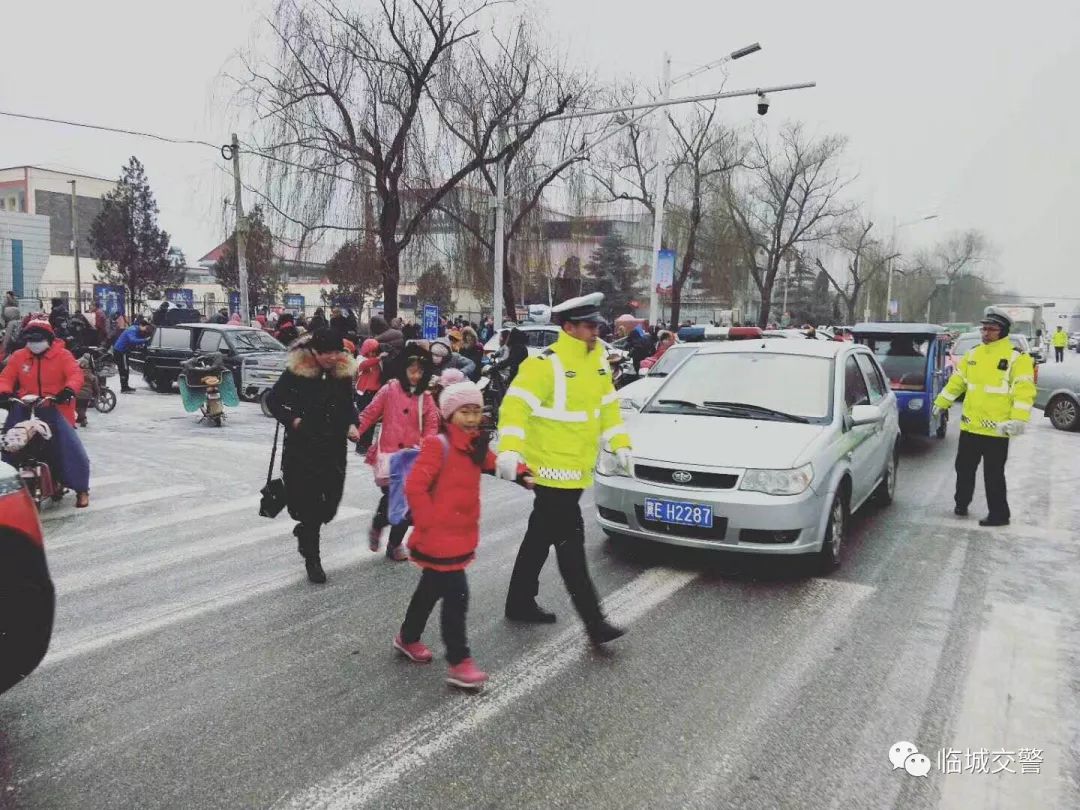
column 466, row 675
column 373, row 538
column 417, row 652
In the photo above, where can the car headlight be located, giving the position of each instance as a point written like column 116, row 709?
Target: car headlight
column 607, row 463
column 915, row 404
column 778, row 482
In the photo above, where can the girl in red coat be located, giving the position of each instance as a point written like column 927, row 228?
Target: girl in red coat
column 368, row 383
column 443, row 491
column 408, row 413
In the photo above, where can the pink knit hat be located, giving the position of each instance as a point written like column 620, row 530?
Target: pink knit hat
column 458, row 395
column 451, row 376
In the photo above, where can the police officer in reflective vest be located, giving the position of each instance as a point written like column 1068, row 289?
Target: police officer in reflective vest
column 561, row 406
column 998, row 384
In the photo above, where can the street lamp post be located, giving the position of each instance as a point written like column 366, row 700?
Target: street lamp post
column 892, row 260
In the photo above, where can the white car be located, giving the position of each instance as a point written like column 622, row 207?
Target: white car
column 540, row 335
column 761, row 446
column 636, row 394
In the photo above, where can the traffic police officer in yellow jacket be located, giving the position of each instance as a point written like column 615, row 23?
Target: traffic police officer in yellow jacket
column 998, row 384
column 561, row 406
column 1060, row 342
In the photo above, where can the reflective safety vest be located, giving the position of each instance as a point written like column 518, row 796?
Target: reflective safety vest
column 561, row 406
column 1060, row 339
column 998, row 384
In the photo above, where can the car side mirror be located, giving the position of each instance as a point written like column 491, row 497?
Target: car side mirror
column 866, row 415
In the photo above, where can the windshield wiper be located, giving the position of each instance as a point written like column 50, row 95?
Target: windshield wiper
column 684, row 403
column 747, row 408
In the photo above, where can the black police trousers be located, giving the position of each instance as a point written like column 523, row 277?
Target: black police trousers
column 992, row 451
column 555, row 521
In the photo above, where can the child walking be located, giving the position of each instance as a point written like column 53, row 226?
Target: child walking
column 408, row 414
column 443, row 491
column 368, row 383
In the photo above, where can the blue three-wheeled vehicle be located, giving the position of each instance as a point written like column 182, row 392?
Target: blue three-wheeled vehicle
column 913, row 356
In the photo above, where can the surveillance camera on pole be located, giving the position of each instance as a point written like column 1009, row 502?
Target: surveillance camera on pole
column 762, row 104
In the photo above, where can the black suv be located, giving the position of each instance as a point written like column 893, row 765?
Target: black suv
column 160, row 359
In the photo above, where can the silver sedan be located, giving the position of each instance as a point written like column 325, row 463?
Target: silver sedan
column 758, row 446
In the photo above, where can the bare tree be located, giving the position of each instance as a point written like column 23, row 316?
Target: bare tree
column 531, row 166
column 863, row 258
column 354, row 93
column 789, row 196
column 706, row 150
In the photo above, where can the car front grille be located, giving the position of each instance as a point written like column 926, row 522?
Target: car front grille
column 768, row 536
column 715, row 532
column 613, row 515
column 673, row 476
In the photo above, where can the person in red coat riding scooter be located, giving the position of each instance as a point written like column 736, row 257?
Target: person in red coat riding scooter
column 443, row 491
column 45, row 368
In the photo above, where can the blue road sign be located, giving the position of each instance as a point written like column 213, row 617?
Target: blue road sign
column 431, row 322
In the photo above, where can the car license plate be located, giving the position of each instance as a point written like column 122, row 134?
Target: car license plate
column 679, row 513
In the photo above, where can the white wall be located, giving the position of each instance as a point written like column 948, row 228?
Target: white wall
column 58, row 183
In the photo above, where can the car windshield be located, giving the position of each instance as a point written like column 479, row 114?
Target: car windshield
column 672, row 357
column 965, row 344
column 255, row 340
column 903, row 357
column 718, row 384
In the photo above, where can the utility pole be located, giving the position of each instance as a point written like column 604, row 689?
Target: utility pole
column 658, row 195
column 75, row 248
column 241, row 233
column 500, row 230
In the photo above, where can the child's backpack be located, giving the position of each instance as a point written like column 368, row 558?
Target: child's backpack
column 401, row 464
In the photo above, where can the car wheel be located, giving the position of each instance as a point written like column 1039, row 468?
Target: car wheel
column 1064, row 413
column 886, row 490
column 264, row 403
column 828, row 559
column 106, row 401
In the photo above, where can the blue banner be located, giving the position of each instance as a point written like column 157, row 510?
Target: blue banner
column 665, row 271
column 234, row 302
column 293, row 301
column 181, row 297
column 111, row 298
column 431, row 322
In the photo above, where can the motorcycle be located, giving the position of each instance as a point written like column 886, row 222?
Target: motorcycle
column 493, row 389
column 207, row 386
column 24, row 442
column 622, row 368
column 103, row 367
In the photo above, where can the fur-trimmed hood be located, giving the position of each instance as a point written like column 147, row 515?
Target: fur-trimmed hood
column 302, row 363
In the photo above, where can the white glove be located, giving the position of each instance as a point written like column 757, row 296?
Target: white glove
column 935, row 412
column 1014, row 427
column 506, row 465
column 626, row 460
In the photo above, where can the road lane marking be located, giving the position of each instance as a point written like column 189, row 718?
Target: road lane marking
column 1010, row 701
column 130, row 499
column 244, row 503
column 178, row 554
column 143, row 623
column 901, row 701
column 837, row 603
column 361, row 782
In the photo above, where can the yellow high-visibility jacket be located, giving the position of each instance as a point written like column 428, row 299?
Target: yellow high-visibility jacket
column 998, row 384
column 1060, row 339
column 559, row 408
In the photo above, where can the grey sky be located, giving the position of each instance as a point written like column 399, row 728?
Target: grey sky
column 965, row 108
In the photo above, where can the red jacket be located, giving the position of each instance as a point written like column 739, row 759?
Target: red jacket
column 443, row 490
column 370, row 379
column 45, row 375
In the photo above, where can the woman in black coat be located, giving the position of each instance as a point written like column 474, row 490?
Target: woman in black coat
column 313, row 400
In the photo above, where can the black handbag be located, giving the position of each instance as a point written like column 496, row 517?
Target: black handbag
column 273, row 494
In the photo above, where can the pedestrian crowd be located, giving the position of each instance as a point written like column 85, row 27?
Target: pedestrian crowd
column 415, row 410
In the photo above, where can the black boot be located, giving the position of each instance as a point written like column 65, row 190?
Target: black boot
column 528, row 612
column 960, row 511
column 308, row 546
column 991, row 520
column 603, row 631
